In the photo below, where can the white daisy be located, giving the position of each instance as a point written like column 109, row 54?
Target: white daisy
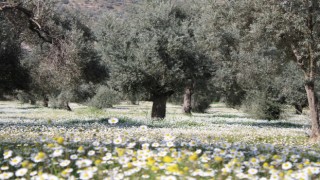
column 287, row 166
column 7, row 154
column 64, row 163
column 117, row 141
column 252, row 171
column 6, row 175
column 15, row 161
column 113, row 120
column 86, row 175
column 74, row 157
column 83, row 163
column 143, row 127
column 91, row 153
column 21, row 172
column 57, row 153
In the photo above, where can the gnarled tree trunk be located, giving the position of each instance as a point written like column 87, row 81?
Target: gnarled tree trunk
column 45, row 101
column 313, row 106
column 187, row 99
column 67, row 107
column 64, row 104
column 159, row 106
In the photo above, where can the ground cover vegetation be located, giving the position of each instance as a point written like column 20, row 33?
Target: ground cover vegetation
column 87, row 143
column 257, row 57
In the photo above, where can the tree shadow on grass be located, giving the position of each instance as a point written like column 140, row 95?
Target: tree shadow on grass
column 26, row 108
column 209, row 115
column 266, row 124
column 131, row 123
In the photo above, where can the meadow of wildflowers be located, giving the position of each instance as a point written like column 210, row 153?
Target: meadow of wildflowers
column 122, row 143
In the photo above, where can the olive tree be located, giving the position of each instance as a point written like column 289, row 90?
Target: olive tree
column 13, row 76
column 62, row 56
column 294, row 27
column 151, row 49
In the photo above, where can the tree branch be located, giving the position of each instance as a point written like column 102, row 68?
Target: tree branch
column 34, row 25
column 298, row 57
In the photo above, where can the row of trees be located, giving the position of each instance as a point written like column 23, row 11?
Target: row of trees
column 254, row 54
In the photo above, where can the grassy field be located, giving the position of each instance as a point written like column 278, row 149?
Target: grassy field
column 83, row 144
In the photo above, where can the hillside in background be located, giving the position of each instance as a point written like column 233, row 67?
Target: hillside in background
column 95, row 7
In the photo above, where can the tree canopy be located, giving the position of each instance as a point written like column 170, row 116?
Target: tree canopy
column 152, row 49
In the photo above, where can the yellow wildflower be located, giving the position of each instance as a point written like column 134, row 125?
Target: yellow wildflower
column 167, row 159
column 25, row 164
column 174, row 168
column 97, row 162
column 60, row 140
column 129, row 165
column 193, row 157
column 206, row 165
column 265, row 165
column 120, row 151
column 275, row 157
column 281, row 174
column 50, row 145
column 80, row 149
column 150, row 161
column 154, row 168
column 218, row 159
column 40, row 157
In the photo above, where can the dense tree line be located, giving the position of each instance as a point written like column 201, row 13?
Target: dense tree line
column 255, row 55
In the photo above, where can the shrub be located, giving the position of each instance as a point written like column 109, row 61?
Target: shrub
column 105, row 98
column 200, row 103
column 62, row 100
column 260, row 106
column 84, row 92
column 25, row 97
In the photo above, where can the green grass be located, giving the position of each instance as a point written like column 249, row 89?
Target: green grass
column 226, row 135
column 220, row 121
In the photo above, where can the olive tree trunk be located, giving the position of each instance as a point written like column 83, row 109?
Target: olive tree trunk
column 309, row 67
column 67, row 107
column 64, row 104
column 187, row 107
column 159, row 106
column 313, row 106
column 45, row 101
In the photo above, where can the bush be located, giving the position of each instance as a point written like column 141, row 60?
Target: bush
column 176, row 98
column 260, row 106
column 61, row 101
column 105, row 98
column 205, row 93
column 25, row 97
column 200, row 103
column 84, row 93
column 234, row 95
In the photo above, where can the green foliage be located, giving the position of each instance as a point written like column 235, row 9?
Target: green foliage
column 205, row 92
column 13, row 75
column 292, row 85
column 237, row 51
column 105, row 98
column 24, row 97
column 152, row 50
column 84, row 92
column 260, row 106
column 67, row 68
